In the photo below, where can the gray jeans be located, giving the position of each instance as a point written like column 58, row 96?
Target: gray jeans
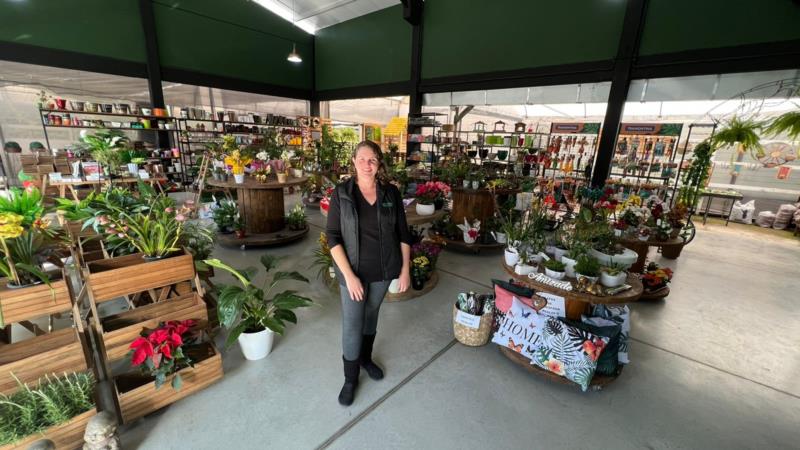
column 360, row 318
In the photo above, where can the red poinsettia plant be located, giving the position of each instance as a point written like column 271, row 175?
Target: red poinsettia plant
column 159, row 352
column 428, row 192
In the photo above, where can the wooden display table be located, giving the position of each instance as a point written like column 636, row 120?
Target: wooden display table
column 261, row 206
column 477, row 247
column 413, row 293
column 576, row 304
column 475, row 203
column 63, row 186
column 412, row 218
column 669, row 249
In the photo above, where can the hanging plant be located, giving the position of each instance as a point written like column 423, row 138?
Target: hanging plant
column 788, row 123
column 743, row 132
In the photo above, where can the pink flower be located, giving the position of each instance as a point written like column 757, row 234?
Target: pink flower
column 169, row 210
column 121, row 235
column 102, row 220
column 189, row 202
column 180, row 217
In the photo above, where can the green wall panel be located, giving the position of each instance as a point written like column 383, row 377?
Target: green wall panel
column 371, row 49
column 475, row 36
column 677, row 25
column 235, row 39
column 108, row 28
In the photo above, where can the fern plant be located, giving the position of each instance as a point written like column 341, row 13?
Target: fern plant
column 788, row 123
column 743, row 132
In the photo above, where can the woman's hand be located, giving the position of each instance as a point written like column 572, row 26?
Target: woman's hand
column 404, row 280
column 355, row 288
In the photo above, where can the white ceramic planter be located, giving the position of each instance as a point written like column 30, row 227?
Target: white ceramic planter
column 466, row 184
column 617, row 233
column 627, row 258
column 425, row 210
column 297, row 173
column 612, row 280
column 394, row 286
column 468, row 239
column 644, row 238
column 331, row 272
column 499, row 237
column 512, row 257
column 476, row 184
column 133, row 169
column 558, row 253
column 553, row 274
column 256, row 346
column 569, row 266
column 524, row 269
column 239, row 178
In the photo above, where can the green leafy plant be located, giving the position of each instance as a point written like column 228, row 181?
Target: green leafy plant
column 788, row 123
column 106, row 146
column 153, row 234
column 225, row 215
column 323, row 258
column 198, row 239
column 743, row 132
column 24, row 202
column 52, row 401
column 552, row 264
column 613, row 268
column 696, row 175
column 296, row 219
column 249, row 308
column 587, row 266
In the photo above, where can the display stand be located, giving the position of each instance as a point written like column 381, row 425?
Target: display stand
column 261, row 206
column 472, row 204
column 412, row 293
column 576, row 304
column 412, row 218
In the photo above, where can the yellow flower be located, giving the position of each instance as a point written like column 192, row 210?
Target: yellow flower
column 10, row 225
column 421, row 261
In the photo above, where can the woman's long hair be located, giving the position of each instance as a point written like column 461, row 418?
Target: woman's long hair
column 381, row 175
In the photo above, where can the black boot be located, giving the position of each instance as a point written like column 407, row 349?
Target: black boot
column 348, row 392
column 374, row 372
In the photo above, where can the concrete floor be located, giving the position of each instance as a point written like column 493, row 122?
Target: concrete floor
column 714, row 366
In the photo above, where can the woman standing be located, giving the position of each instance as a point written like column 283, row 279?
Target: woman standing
column 371, row 246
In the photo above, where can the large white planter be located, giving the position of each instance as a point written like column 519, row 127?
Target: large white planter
column 297, row 173
column 553, row 274
column 425, row 210
column 512, row 257
column 256, row 346
column 524, row 269
column 499, row 237
column 569, row 266
column 559, row 252
column 239, row 178
column 613, row 280
column 627, row 258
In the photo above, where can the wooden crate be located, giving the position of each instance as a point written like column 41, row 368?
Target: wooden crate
column 137, row 395
column 118, row 331
column 67, row 436
column 34, row 301
column 112, row 278
column 29, row 360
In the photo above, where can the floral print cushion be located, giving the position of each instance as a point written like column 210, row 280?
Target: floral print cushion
column 569, row 351
column 608, row 363
column 520, row 329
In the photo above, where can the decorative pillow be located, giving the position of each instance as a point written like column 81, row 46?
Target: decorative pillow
column 505, row 291
column 617, row 314
column 569, row 351
column 608, row 363
column 520, row 329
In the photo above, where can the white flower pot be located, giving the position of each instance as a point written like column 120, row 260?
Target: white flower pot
column 534, row 257
column 569, row 266
column 297, row 173
column 476, row 184
column 512, row 257
column 524, row 269
column 133, row 168
column 627, row 258
column 644, row 238
column 612, row 280
column 559, row 252
column 468, row 239
column 499, row 237
column 553, row 274
column 617, row 233
column 394, row 286
column 219, row 164
column 239, row 178
column 466, row 184
column 425, row 210
column 257, row 345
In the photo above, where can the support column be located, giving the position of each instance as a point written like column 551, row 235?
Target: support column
column 628, row 49
column 148, row 20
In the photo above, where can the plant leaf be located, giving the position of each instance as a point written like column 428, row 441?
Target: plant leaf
column 270, row 261
column 287, row 315
column 177, row 382
column 233, row 336
column 221, row 265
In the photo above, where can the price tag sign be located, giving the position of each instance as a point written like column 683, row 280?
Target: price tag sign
column 468, row 320
column 556, row 306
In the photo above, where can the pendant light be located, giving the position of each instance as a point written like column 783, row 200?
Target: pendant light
column 294, row 56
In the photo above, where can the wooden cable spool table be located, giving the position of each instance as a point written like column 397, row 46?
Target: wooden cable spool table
column 261, row 206
column 412, row 218
column 471, row 204
column 576, row 303
column 669, row 249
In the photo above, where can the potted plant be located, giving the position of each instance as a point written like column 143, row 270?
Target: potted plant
column 643, row 233
column 239, row 227
column 235, row 159
column 570, row 259
column 155, row 234
column 420, row 271
column 324, row 260
column 524, row 267
column 225, row 215
column 656, row 278
column 663, row 230
column 250, row 314
column 282, row 176
column 296, row 219
column 471, row 232
column 554, row 269
column 613, row 275
column 743, row 134
column 587, row 268
column 161, row 353
column 105, row 147
column 426, row 195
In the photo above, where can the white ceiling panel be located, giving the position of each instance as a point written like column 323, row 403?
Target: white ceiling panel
column 311, row 15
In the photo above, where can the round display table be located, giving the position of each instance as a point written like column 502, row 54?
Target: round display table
column 474, row 204
column 261, row 206
column 576, row 303
column 413, row 293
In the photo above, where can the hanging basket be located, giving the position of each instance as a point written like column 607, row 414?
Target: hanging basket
column 467, row 334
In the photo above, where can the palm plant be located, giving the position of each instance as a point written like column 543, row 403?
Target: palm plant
column 248, row 308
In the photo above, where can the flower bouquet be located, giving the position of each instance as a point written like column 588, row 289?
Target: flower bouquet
column 655, row 278
column 159, row 353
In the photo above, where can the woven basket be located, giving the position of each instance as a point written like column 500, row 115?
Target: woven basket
column 473, row 337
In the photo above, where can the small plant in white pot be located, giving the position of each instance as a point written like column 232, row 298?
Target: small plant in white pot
column 613, row 275
column 247, row 311
column 524, row 266
column 570, row 259
column 587, row 267
column 554, row 269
